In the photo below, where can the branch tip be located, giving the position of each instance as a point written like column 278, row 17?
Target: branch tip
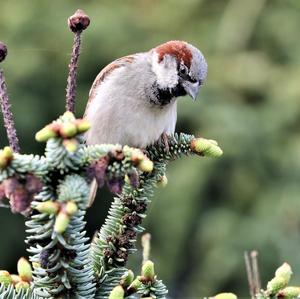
column 5, row 107
column 79, row 21
column 3, row 51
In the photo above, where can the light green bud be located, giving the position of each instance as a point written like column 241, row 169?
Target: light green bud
column 24, row 269
column 276, row 284
column 289, row 293
column 117, row 293
column 148, row 270
column 225, row 296
column 61, row 222
column 5, row 278
column 127, row 278
column 284, row 271
column 48, row 207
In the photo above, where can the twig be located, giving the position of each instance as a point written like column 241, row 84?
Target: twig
column 255, row 271
column 77, row 23
column 71, row 81
column 252, row 272
column 249, row 274
column 5, row 106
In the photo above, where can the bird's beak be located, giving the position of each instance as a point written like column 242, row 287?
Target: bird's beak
column 192, row 89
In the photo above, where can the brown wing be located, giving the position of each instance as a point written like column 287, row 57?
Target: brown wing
column 98, row 80
column 105, row 72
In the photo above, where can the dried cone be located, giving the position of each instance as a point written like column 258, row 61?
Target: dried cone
column 78, row 21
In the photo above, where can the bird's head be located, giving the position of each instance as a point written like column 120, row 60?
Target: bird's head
column 180, row 69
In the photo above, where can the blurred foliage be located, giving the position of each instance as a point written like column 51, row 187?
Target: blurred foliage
column 211, row 211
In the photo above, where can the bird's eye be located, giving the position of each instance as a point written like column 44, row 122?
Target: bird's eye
column 183, row 71
column 184, row 74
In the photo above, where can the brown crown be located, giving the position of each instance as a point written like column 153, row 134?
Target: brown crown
column 177, row 49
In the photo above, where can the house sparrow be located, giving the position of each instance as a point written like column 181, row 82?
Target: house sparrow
column 133, row 99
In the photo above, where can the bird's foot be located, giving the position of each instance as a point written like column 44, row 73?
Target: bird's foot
column 164, row 140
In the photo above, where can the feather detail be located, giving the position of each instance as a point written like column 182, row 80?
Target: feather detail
column 104, row 73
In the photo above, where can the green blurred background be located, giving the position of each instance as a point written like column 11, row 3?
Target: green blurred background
column 211, row 210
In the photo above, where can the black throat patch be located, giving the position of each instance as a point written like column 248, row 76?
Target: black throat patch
column 165, row 96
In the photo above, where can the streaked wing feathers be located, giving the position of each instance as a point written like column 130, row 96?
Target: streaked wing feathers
column 123, row 61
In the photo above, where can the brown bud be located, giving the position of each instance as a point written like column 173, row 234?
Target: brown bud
column 98, row 169
column 10, row 185
column 20, row 200
column 33, row 184
column 78, row 21
column 3, row 51
column 115, row 185
column 133, row 178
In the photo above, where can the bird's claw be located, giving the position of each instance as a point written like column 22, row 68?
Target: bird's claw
column 165, row 141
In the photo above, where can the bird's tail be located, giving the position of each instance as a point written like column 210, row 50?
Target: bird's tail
column 93, row 192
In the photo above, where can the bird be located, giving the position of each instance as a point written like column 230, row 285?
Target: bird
column 133, row 100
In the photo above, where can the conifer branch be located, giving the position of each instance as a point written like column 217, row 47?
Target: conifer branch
column 117, row 237
column 77, row 23
column 5, row 106
column 54, row 190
